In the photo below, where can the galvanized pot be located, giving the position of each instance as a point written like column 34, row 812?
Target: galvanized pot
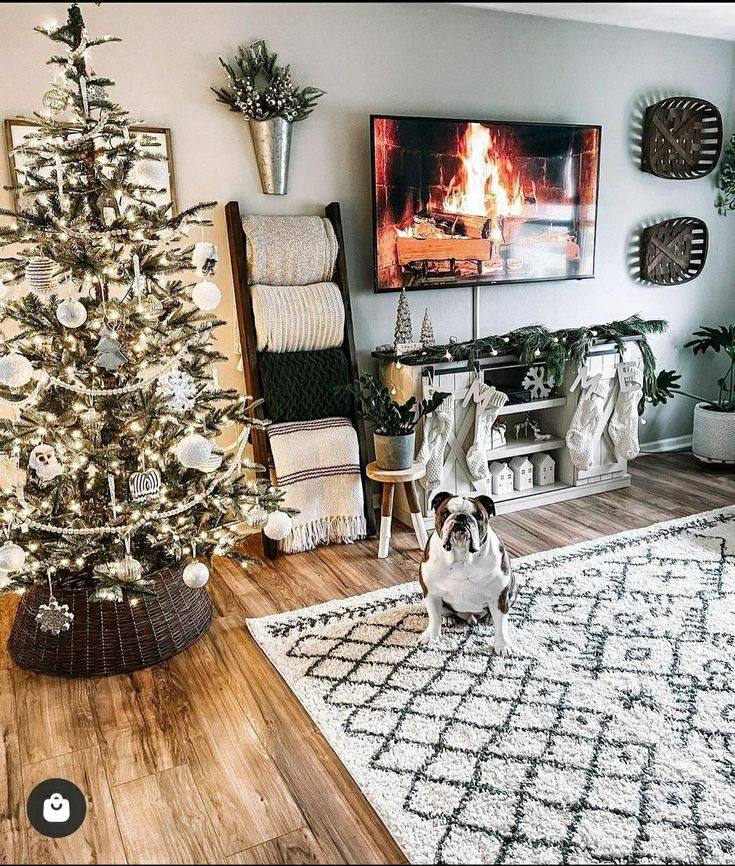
column 272, row 143
column 394, row 453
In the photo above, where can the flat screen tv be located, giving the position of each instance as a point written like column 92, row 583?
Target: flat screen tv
column 466, row 202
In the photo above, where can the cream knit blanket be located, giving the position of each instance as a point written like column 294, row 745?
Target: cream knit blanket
column 318, row 465
column 298, row 318
column 289, row 250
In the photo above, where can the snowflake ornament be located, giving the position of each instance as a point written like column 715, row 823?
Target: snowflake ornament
column 179, row 388
column 538, row 383
column 54, row 617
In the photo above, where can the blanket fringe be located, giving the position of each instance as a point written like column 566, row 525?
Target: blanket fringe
column 326, row 530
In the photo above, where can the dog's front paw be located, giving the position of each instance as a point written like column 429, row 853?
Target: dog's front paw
column 503, row 649
column 427, row 636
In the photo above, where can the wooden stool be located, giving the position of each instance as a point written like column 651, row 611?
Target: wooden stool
column 388, row 479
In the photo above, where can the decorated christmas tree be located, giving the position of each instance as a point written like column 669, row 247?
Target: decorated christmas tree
column 404, row 329
column 109, row 468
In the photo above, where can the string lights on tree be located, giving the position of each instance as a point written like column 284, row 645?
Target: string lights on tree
column 109, row 384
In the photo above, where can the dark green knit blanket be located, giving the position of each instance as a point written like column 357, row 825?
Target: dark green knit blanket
column 300, row 386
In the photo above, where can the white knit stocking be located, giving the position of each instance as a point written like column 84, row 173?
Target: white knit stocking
column 586, row 420
column 623, row 426
column 437, row 428
column 491, row 402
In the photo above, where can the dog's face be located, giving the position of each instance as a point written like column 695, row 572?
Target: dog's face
column 462, row 522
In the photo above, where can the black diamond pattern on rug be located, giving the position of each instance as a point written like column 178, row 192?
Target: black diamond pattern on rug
column 608, row 737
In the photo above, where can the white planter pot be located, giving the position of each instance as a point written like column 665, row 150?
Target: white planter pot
column 713, row 439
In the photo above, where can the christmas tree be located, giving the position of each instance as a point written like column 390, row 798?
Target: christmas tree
column 404, row 329
column 108, row 464
column 427, row 330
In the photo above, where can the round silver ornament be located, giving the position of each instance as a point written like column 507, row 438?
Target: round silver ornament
column 193, row 451
column 15, row 370
column 278, row 526
column 206, row 296
column 39, row 274
column 257, row 517
column 71, row 313
column 55, row 99
column 214, row 462
column 195, row 575
column 12, row 557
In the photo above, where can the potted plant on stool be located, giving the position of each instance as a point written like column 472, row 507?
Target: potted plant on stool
column 713, row 438
column 395, row 423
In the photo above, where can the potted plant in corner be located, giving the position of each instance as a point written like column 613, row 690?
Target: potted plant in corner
column 713, row 438
column 265, row 94
column 395, row 423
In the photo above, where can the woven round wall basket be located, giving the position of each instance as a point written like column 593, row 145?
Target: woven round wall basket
column 108, row 637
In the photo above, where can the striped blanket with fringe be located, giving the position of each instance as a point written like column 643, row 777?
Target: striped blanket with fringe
column 317, row 463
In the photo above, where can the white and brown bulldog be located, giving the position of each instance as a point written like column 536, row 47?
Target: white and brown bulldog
column 465, row 571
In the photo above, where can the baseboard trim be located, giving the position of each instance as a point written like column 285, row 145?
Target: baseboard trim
column 676, row 443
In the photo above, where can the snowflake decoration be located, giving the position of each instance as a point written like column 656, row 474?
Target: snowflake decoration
column 537, row 383
column 179, row 389
column 54, row 617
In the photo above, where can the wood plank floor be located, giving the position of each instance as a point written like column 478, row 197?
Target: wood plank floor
column 210, row 758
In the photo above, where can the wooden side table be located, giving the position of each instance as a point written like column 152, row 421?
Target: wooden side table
column 389, row 480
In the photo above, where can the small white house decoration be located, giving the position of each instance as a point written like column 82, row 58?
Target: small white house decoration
column 522, row 469
column 501, row 479
column 544, row 469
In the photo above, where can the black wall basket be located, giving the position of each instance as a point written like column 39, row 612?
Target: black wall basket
column 682, row 138
column 674, row 251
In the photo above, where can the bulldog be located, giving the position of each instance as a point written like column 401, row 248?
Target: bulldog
column 465, row 572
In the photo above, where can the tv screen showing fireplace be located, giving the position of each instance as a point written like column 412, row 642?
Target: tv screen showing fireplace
column 464, row 202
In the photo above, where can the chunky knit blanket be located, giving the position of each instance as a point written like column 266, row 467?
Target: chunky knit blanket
column 302, row 386
column 289, row 250
column 298, row 318
column 317, row 463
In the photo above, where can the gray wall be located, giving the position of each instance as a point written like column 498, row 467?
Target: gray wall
column 426, row 59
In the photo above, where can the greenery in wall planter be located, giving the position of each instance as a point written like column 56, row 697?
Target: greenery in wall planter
column 713, row 438
column 395, row 423
column 725, row 200
column 265, row 94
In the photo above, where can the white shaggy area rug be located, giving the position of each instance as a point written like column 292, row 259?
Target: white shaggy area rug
column 609, row 737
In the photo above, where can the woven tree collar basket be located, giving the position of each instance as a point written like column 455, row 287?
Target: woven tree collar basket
column 108, row 637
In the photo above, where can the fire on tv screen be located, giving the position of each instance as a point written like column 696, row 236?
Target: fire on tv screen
column 459, row 202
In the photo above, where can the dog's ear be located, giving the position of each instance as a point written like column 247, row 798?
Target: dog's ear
column 439, row 498
column 487, row 504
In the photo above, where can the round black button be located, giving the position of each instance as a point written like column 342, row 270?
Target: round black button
column 56, row 808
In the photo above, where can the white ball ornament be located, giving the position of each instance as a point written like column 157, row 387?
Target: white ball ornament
column 278, row 526
column 195, row 575
column 193, row 451
column 71, row 313
column 15, row 370
column 12, row 557
column 206, row 296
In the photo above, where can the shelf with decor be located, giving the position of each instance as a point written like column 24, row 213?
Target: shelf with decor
column 524, row 446
column 552, row 413
column 533, row 406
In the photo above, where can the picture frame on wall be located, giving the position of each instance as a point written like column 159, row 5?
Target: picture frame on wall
column 159, row 174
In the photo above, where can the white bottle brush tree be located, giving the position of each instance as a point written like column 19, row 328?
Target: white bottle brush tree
column 109, row 463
